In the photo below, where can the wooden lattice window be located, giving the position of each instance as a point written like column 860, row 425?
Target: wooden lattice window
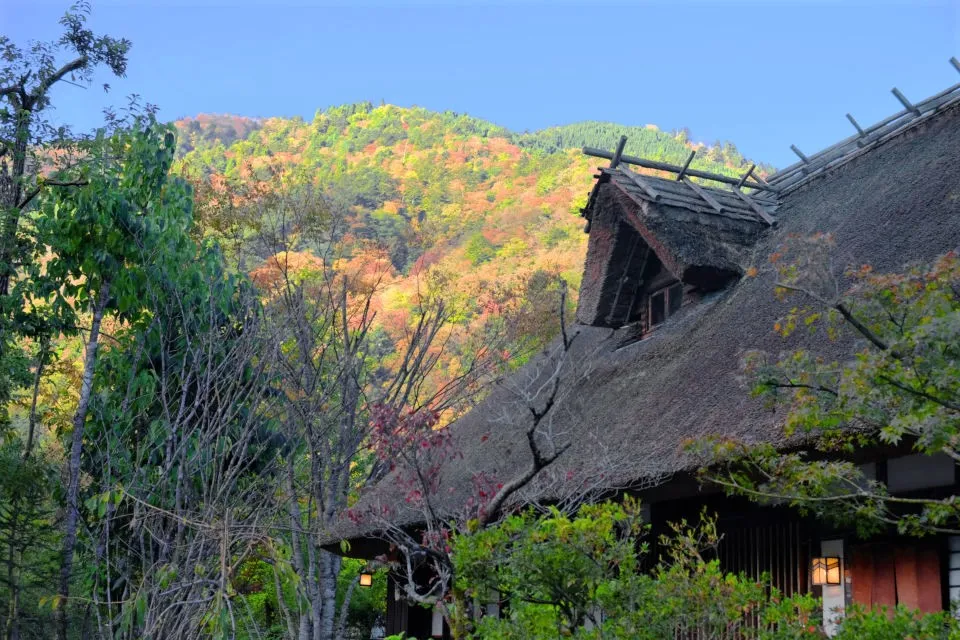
column 664, row 303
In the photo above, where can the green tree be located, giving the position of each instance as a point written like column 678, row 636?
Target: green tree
column 101, row 236
column 896, row 382
column 28, row 141
column 478, row 249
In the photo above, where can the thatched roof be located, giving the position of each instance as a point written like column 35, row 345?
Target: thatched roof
column 631, row 408
column 703, row 235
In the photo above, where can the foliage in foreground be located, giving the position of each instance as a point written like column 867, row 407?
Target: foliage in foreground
column 579, row 577
column 884, row 372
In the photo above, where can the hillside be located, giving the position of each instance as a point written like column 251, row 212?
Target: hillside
column 489, row 214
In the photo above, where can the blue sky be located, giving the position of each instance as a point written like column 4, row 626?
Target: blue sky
column 761, row 74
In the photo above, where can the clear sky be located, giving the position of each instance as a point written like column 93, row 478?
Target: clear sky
column 761, row 74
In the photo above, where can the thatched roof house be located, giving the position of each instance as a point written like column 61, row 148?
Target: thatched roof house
column 665, row 314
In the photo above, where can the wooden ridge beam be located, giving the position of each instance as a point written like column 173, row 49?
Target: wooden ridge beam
column 788, row 179
column 672, row 168
column 911, row 111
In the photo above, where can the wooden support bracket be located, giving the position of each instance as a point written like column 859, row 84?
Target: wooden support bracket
column 856, row 125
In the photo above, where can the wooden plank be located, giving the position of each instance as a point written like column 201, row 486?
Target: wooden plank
column 760, row 211
column 623, row 278
column 861, row 574
column 905, row 566
column 636, row 291
column 697, row 189
column 884, row 590
column 643, row 184
column 930, row 596
column 672, row 168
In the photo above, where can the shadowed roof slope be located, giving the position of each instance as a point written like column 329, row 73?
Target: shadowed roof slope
column 631, row 408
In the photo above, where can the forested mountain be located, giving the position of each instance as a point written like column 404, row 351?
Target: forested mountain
column 455, row 199
column 647, row 142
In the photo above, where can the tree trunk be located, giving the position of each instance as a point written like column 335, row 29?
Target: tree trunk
column 316, row 599
column 329, row 572
column 345, row 609
column 10, row 194
column 71, row 519
column 296, row 555
column 459, row 621
column 38, row 376
column 13, row 581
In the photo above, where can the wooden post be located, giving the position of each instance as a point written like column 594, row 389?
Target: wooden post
column 686, row 165
column 746, row 175
column 856, row 125
column 799, row 153
column 909, row 106
column 618, row 153
column 955, row 63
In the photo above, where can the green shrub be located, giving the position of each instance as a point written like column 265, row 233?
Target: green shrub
column 578, row 577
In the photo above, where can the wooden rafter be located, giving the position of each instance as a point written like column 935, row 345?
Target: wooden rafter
column 643, row 184
column 623, row 278
column 760, row 211
column 698, row 190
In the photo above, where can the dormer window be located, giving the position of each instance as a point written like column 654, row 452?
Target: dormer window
column 664, row 303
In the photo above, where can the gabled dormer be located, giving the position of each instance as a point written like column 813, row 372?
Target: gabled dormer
column 658, row 244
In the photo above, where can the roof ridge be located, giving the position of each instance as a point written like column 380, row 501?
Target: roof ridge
column 838, row 153
column 837, row 163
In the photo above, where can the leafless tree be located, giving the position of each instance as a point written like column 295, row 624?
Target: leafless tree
column 420, row 532
column 335, row 368
column 183, row 449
